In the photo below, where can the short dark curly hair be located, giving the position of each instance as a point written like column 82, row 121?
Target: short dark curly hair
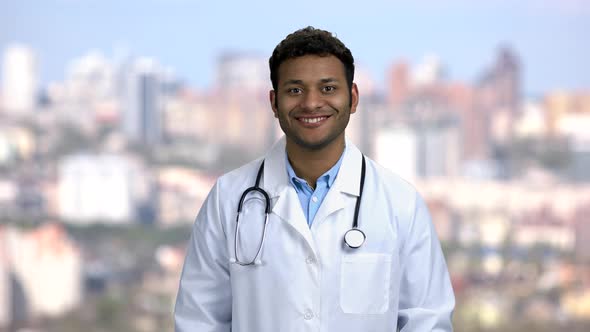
column 310, row 41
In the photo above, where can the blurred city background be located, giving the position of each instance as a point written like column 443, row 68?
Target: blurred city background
column 116, row 119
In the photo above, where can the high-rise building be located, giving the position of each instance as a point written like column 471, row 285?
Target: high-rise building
column 497, row 102
column 19, row 80
column 399, row 84
column 361, row 130
column 439, row 150
column 503, row 80
column 506, row 79
column 241, row 99
column 144, row 98
column 90, row 78
column 239, row 73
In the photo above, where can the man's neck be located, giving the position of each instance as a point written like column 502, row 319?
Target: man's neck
column 311, row 164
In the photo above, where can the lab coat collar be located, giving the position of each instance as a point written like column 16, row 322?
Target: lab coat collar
column 276, row 179
column 285, row 201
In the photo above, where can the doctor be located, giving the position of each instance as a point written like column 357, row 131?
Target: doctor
column 292, row 269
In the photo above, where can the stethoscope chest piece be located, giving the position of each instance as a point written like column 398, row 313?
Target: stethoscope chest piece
column 354, row 238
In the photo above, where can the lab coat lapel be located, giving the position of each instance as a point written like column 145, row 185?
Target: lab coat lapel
column 346, row 186
column 284, row 199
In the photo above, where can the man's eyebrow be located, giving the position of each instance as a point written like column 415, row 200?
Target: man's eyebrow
column 289, row 82
column 328, row 80
column 300, row 82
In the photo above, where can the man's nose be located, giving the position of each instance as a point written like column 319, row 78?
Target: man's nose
column 312, row 100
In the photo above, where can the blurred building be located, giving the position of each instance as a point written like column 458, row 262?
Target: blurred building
column 582, row 233
column 144, row 98
column 101, row 188
column 181, row 194
column 17, row 143
column 430, row 149
column 45, row 268
column 240, row 100
column 542, row 227
column 421, row 97
column 90, row 78
column 494, row 227
column 560, row 104
column 363, row 124
column 514, row 198
column 503, row 81
column 396, row 149
column 243, row 73
column 439, row 149
column 532, row 123
column 444, row 220
column 158, row 290
column 429, row 72
column 576, row 304
column 19, row 80
column 89, row 96
column 497, row 104
column 568, row 116
column 191, row 118
column 5, row 289
column 398, row 84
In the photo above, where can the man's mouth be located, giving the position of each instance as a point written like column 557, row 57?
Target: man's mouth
column 313, row 120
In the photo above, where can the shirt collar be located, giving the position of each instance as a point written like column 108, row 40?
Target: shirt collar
column 329, row 177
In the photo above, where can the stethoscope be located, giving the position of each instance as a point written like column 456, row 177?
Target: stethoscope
column 353, row 238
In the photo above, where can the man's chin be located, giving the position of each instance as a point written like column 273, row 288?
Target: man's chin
column 313, row 145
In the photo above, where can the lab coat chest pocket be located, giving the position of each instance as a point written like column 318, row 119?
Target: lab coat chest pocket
column 365, row 283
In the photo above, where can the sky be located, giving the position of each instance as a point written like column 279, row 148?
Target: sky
column 550, row 36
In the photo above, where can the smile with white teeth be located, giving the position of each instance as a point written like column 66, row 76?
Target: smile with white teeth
column 313, row 120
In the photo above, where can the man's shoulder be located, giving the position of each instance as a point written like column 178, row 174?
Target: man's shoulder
column 243, row 176
column 391, row 181
column 401, row 196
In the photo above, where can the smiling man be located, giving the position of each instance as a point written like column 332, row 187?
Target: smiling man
column 313, row 101
column 314, row 236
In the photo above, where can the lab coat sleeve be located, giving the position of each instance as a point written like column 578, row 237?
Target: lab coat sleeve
column 203, row 302
column 426, row 294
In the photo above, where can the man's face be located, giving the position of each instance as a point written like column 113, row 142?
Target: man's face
column 313, row 101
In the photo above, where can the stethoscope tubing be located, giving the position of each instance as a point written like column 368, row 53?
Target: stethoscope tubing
column 257, row 188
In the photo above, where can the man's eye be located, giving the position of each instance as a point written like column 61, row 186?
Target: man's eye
column 329, row 88
column 294, row 90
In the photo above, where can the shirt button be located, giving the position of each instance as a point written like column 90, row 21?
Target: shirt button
column 310, row 260
column 308, row 314
column 314, row 199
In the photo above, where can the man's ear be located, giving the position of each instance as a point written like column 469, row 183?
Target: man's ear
column 272, row 96
column 354, row 98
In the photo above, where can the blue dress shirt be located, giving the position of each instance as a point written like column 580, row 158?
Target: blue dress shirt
column 312, row 199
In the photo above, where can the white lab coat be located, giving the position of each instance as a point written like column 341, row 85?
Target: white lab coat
column 308, row 280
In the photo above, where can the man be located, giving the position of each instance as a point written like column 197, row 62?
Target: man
column 299, row 272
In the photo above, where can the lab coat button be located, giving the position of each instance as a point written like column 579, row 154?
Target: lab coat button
column 310, row 260
column 308, row 315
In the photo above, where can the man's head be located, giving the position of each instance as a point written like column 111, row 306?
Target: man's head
column 313, row 94
column 310, row 41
